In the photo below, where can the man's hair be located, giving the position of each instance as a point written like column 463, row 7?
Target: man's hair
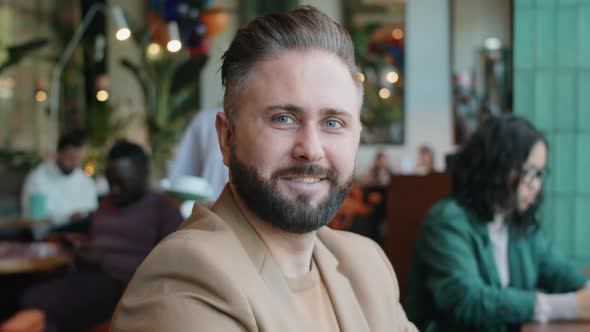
column 266, row 37
column 75, row 138
column 481, row 169
column 134, row 152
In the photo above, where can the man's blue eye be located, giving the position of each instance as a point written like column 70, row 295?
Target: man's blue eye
column 283, row 119
column 333, row 124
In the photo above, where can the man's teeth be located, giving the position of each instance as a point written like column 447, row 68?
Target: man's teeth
column 306, row 180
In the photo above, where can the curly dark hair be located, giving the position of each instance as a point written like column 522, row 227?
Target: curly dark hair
column 482, row 170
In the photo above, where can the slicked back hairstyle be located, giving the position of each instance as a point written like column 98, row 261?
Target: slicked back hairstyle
column 302, row 29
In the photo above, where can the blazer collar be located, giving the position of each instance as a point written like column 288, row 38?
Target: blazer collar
column 344, row 302
column 227, row 208
column 481, row 229
column 346, row 305
column 283, row 300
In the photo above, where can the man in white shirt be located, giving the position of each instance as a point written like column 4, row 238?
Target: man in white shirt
column 69, row 194
column 198, row 153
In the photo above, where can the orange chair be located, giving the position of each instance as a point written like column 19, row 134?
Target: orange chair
column 104, row 327
column 30, row 320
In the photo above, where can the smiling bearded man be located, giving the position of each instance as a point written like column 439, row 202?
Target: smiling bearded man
column 262, row 259
column 263, row 198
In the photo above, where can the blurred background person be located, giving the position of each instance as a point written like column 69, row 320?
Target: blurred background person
column 425, row 162
column 129, row 222
column 66, row 193
column 198, row 153
column 380, row 172
column 481, row 262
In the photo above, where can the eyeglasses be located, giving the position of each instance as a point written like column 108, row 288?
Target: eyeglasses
column 530, row 174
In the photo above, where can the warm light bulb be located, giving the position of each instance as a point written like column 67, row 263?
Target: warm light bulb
column 384, row 93
column 174, row 46
column 89, row 169
column 102, row 95
column 392, row 77
column 41, row 96
column 361, row 77
column 493, row 44
column 123, row 34
column 153, row 51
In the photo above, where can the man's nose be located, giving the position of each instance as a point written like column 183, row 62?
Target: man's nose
column 308, row 144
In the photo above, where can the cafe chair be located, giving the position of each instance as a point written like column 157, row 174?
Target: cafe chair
column 104, row 327
column 30, row 320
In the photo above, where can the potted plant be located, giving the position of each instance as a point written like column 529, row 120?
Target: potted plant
column 169, row 80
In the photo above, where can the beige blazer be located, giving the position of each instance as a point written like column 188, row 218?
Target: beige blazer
column 216, row 274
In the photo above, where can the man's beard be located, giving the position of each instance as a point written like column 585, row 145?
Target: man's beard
column 65, row 170
column 264, row 199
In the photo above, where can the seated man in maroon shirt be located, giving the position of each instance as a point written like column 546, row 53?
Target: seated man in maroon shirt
column 129, row 222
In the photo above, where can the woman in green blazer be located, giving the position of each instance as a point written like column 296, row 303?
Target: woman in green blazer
column 481, row 263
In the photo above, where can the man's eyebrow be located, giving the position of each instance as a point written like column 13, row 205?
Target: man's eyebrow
column 335, row 111
column 296, row 109
column 285, row 107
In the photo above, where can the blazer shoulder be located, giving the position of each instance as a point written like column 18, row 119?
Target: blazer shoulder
column 351, row 249
column 447, row 212
column 198, row 255
column 187, row 279
column 333, row 238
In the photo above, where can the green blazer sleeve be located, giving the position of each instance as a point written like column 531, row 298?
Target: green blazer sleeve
column 556, row 273
column 451, row 248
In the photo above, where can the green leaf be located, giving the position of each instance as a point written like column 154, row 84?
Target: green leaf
column 18, row 52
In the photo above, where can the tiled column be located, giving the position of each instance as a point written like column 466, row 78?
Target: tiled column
column 552, row 89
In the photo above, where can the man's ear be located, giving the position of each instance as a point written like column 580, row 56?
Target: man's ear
column 225, row 135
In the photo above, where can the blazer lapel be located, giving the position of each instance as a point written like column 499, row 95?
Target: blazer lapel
column 521, row 265
column 279, row 297
column 486, row 250
column 346, row 306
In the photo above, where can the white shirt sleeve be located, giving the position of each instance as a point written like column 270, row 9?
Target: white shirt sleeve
column 550, row 307
column 91, row 203
column 556, row 306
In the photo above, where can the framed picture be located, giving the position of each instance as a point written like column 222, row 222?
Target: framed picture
column 377, row 29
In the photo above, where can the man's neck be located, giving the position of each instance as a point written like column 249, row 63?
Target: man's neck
column 292, row 252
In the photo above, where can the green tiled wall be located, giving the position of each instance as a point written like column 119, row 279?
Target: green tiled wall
column 552, row 89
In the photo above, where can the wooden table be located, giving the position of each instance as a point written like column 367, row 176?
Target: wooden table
column 557, row 327
column 20, row 223
column 31, row 257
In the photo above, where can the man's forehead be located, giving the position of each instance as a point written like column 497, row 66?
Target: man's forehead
column 292, row 79
column 122, row 165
